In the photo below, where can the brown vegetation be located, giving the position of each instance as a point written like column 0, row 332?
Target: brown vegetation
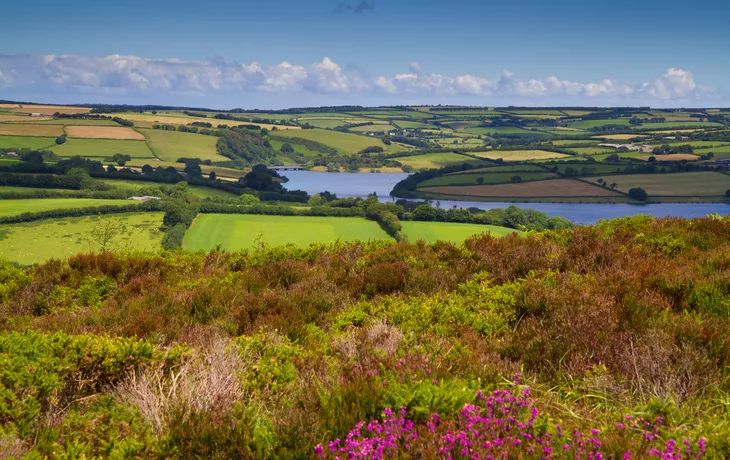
column 537, row 189
column 103, row 132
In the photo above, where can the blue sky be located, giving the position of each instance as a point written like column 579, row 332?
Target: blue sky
column 230, row 53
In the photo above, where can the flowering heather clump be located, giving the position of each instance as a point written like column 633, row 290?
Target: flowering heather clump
column 503, row 425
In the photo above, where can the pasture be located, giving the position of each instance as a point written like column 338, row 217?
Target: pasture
column 148, row 119
column 21, row 142
column 592, row 150
column 555, row 188
column 519, row 155
column 437, row 160
column 22, row 129
column 431, row 232
column 171, row 145
column 505, row 168
column 298, row 148
column 588, row 124
column 17, row 207
column 679, row 184
column 679, row 125
column 237, row 231
column 504, row 130
column 343, row 142
column 104, row 132
column 380, row 129
column 102, row 148
column 670, row 158
column 35, row 242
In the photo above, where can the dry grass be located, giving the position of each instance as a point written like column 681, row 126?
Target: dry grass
column 9, row 106
column 181, row 120
column 204, row 383
column 539, row 189
column 11, row 446
column 672, row 157
column 519, row 155
column 4, row 118
column 103, row 132
column 22, row 129
column 51, row 109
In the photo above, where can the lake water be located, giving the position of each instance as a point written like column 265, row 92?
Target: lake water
column 363, row 184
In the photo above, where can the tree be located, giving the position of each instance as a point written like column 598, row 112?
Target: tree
column 332, row 167
column 121, row 159
column 516, row 179
column 249, row 200
column 147, row 170
column 638, row 194
column 614, row 185
column 316, row 200
column 212, row 176
column 61, row 139
column 193, row 170
column 652, row 159
column 286, row 148
column 105, row 231
column 480, row 180
column 727, row 193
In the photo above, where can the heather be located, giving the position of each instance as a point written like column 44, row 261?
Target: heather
column 607, row 341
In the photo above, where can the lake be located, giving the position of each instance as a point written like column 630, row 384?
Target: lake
column 363, row 184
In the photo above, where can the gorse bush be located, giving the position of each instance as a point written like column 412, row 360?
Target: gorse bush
column 619, row 331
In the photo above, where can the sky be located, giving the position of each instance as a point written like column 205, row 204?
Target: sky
column 291, row 53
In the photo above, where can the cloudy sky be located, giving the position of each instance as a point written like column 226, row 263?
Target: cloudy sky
column 227, row 53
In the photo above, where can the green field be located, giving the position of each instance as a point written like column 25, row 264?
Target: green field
column 102, row 148
column 380, row 129
column 505, row 168
column 171, row 145
column 679, row 184
column 237, row 231
column 430, row 232
column 343, row 142
column 36, row 242
column 199, row 191
column 437, row 160
column 16, row 207
column 504, row 130
column 722, row 152
column 21, row 142
column 487, row 178
column 592, row 150
column 569, row 142
column 677, row 125
column 520, row 155
column 588, row 124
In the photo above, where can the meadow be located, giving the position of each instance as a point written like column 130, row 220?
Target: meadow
column 102, row 148
column 680, row 184
column 591, row 150
column 171, row 145
column 234, row 231
column 146, row 120
column 504, row 130
column 343, row 142
column 200, row 192
column 36, row 242
column 20, row 142
column 520, row 155
column 437, row 160
column 16, row 207
column 298, row 148
column 431, row 232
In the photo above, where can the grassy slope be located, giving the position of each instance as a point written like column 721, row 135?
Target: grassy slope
column 680, row 184
column 437, row 160
column 343, row 142
column 241, row 231
column 171, row 145
column 15, row 207
column 102, row 148
column 19, row 142
column 202, row 192
column 431, row 232
column 35, row 242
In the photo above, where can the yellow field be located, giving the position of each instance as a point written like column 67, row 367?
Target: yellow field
column 150, row 119
column 4, row 118
column 19, row 129
column 668, row 131
column 51, row 109
column 103, row 132
column 519, row 155
column 672, row 157
column 9, row 106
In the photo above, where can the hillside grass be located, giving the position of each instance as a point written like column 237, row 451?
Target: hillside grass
column 344, row 143
column 438, row 160
column 676, row 184
column 16, row 207
column 171, row 145
column 431, row 232
column 235, row 231
column 36, row 242
column 21, row 142
column 102, row 148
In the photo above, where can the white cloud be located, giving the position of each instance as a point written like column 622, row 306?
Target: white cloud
column 132, row 75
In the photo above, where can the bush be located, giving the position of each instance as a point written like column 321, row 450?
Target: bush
column 638, row 193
